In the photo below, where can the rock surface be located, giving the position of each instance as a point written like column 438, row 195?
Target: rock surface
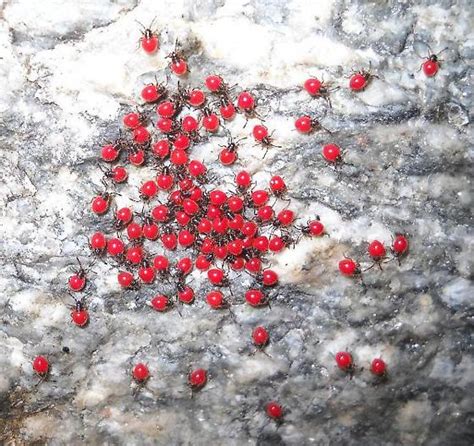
column 70, row 70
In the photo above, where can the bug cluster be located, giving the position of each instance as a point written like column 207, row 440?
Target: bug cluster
column 377, row 252
column 345, row 362
column 183, row 221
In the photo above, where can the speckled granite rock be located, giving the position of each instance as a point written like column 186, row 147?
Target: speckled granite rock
column 69, row 70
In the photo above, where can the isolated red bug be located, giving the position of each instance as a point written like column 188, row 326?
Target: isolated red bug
column 274, row 410
column 149, row 40
column 41, row 365
column 140, row 373
column 197, row 378
column 178, row 64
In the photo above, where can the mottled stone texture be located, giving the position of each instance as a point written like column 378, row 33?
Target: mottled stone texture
column 70, row 69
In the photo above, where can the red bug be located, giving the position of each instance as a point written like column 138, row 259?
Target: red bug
column 110, row 152
column 149, row 229
column 260, row 337
column 234, row 205
column 215, row 299
column 235, row 247
column 344, row 361
column 210, row 121
column 135, row 254
column 236, row 263
column 217, row 197
column 249, row 228
column 169, row 238
column 185, row 292
column 160, row 303
column 160, row 213
column 146, row 273
column 318, row 89
column 431, row 64
column 140, row 373
column 313, row 228
column 152, row 92
column 220, row 250
column 197, row 169
column 378, row 367
column 274, row 410
column 256, row 298
column 123, row 216
column 203, row 261
column 278, row 243
column 399, row 245
column 189, row 124
column 313, row 86
column 126, row 280
column 206, row 245
column 178, row 64
column 213, row 212
column 181, row 141
column 184, row 265
column 376, row 250
column 117, row 174
column 267, row 278
column 98, row 243
column 100, row 204
column 149, row 40
column 246, row 103
column 332, row 153
column 277, row 185
column 260, row 243
column 226, row 108
column 178, row 157
column 41, row 366
column 148, row 190
column 77, row 281
column 161, row 148
column 261, row 135
column 134, row 231
column 186, row 238
column 217, row 277
column 306, row 124
column 196, row 98
column 215, row 83
column 349, row 267
column 166, row 125
column 259, row 197
column 228, row 156
column 197, row 379
column 79, row 315
column 161, row 264
column 360, row 79
column 115, row 247
column 132, row 120
column 284, row 218
column 236, row 222
column 141, row 136
column 166, row 109
column 136, row 156
column 243, row 180
column 165, row 179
